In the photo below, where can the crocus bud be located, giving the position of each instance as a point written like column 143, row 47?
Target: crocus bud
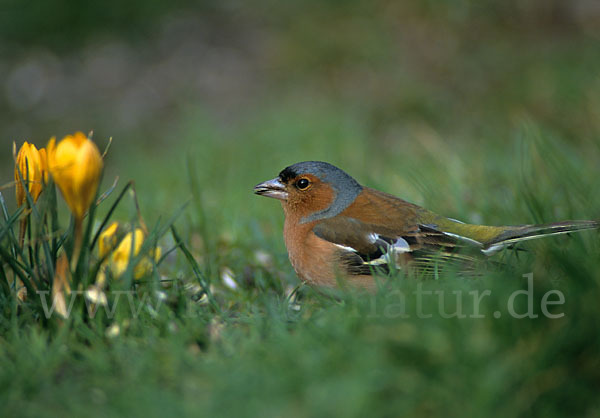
column 108, row 239
column 30, row 167
column 75, row 165
column 121, row 256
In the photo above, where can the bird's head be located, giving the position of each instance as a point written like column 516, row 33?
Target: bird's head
column 311, row 190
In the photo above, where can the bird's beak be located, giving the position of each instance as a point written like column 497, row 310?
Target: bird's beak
column 271, row 188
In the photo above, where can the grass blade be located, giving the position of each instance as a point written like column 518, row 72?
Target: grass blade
column 202, row 280
column 109, row 214
column 4, row 282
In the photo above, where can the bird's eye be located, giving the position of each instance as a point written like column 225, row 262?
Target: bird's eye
column 303, row 184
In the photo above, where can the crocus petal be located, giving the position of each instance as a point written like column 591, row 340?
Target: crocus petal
column 28, row 170
column 121, row 256
column 76, row 165
column 108, row 239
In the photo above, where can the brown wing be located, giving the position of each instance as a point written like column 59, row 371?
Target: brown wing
column 380, row 231
column 367, row 248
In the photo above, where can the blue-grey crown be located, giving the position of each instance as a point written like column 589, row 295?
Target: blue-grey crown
column 345, row 187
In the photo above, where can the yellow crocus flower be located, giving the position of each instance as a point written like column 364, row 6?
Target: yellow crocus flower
column 75, row 165
column 30, row 167
column 121, row 256
column 108, row 239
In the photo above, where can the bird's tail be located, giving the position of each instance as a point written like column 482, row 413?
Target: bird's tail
column 515, row 234
column 491, row 239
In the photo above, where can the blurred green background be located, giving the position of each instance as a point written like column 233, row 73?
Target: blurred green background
column 207, row 80
column 242, row 90
column 485, row 111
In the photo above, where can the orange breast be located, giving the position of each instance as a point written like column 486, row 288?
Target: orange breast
column 315, row 260
column 311, row 257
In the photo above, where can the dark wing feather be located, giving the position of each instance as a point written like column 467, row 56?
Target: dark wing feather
column 366, row 248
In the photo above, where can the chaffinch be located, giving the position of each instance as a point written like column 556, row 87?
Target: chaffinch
column 335, row 228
